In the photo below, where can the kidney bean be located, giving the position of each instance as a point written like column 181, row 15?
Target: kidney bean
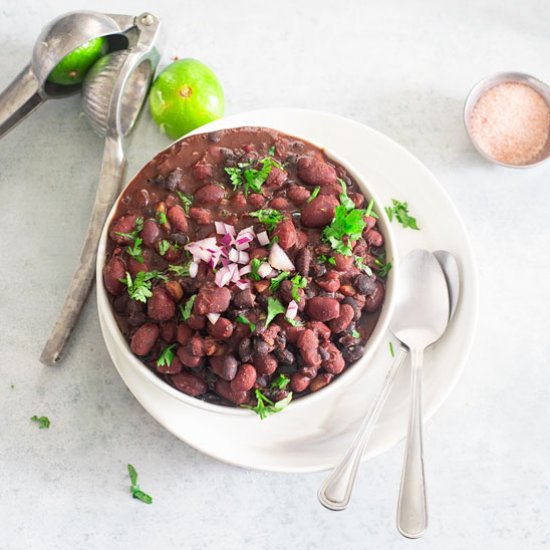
column 358, row 199
column 174, row 367
column 265, row 364
column 365, row 284
column 188, row 359
column 308, row 345
column 124, row 224
column 168, row 331
column 261, row 287
column 237, row 202
column 353, row 303
column 160, row 306
column 347, row 290
column 212, row 347
column 174, row 289
column 286, row 232
column 320, row 211
column 302, row 239
column 200, row 215
column 320, row 381
column 343, row 263
column 244, row 299
column 224, row 366
column 223, row 388
column 134, row 267
column 373, row 302
column 293, row 333
column 299, row 382
column 196, row 346
column 323, row 308
column 222, row 329
column 135, row 313
column 212, row 300
column 315, row 171
column 202, row 170
column 303, row 261
column 144, row 339
column 320, row 329
column 244, row 379
column 256, row 200
column 209, row 194
column 142, row 198
column 370, row 223
column 112, row 272
column 330, row 283
column 177, row 218
column 334, row 363
column 276, row 177
column 150, row 232
column 196, row 322
column 298, row 194
column 183, row 334
column 174, row 179
column 280, row 203
column 310, row 372
column 268, row 335
column 374, row 238
column 189, row 383
column 319, row 270
column 343, row 320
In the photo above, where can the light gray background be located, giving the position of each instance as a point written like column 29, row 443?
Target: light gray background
column 405, row 69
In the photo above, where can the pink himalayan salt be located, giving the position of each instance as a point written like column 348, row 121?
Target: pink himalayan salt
column 510, row 123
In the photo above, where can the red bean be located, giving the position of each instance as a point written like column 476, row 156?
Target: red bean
column 308, row 344
column 183, row 334
column 188, row 359
column 224, row 389
column 374, row 238
column 299, row 382
column 200, row 215
column 320, row 329
column 134, row 267
column 259, row 253
column 209, row 194
column 358, row 199
column 202, row 170
column 373, row 302
column 286, row 232
column 298, row 194
column 124, row 224
column 315, row 171
column 255, row 200
column 150, row 232
column 303, row 261
column 222, row 329
column 276, row 177
column 280, row 203
column 174, row 367
column 225, row 366
column 168, row 331
column 196, row 322
column 212, row 300
column 320, row 211
column 330, row 283
column 323, row 308
column 334, row 363
column 244, row 379
column 238, row 202
column 177, row 218
column 160, row 306
column 343, row 320
column 302, row 238
column 144, row 339
column 189, row 383
column 343, row 263
column 174, row 289
column 112, row 272
column 196, row 346
column 265, row 364
column 320, row 381
column 293, row 333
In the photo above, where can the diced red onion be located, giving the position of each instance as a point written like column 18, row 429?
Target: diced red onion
column 213, row 317
column 292, row 310
column 223, row 276
column 279, row 259
column 225, row 261
column 233, row 255
column 244, row 258
column 234, row 272
column 229, row 229
column 263, row 238
column 193, row 269
column 242, row 284
column 220, row 228
column 245, row 270
column 264, row 270
column 227, row 239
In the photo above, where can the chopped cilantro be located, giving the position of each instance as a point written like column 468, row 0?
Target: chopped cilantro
column 164, row 246
column 268, row 216
column 264, row 406
column 242, row 319
column 135, row 250
column 383, row 266
column 370, row 210
column 314, row 193
column 344, row 199
column 188, row 308
column 276, row 281
column 346, row 224
column 42, row 421
column 294, row 322
column 254, row 266
column 138, row 226
column 252, row 178
column 281, row 382
column 186, row 201
column 235, row 176
column 180, row 270
column 274, row 308
column 161, row 217
column 297, row 282
column 134, row 488
column 362, row 266
column 401, row 212
column 271, row 151
column 392, row 353
column 139, row 289
column 355, row 334
column 166, row 357
column 327, row 259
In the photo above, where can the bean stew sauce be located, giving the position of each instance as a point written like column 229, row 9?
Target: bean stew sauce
column 244, row 267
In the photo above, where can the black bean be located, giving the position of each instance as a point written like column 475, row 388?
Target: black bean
column 353, row 303
column 352, row 353
column 180, row 238
column 284, row 356
column 364, row 284
column 174, row 179
column 261, row 347
column 319, row 270
column 244, row 298
column 245, row 350
column 324, row 354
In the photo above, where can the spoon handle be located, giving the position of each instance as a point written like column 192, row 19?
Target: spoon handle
column 335, row 492
column 412, row 511
column 112, row 174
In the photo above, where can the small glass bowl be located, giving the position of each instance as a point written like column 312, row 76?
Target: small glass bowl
column 491, row 81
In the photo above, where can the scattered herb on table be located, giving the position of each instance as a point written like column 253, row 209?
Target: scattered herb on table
column 276, row 281
column 166, row 357
column 134, row 488
column 242, row 319
column 265, row 406
column 42, row 421
column 139, row 289
column 186, row 310
column 314, row 193
column 186, row 201
column 400, row 210
column 268, row 216
column 392, row 353
column 274, row 308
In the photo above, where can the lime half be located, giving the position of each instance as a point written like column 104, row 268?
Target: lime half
column 184, row 96
column 73, row 67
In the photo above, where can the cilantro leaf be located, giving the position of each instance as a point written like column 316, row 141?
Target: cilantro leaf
column 271, row 151
column 137, row 493
column 166, row 357
column 281, row 382
column 276, row 281
column 254, row 266
column 180, row 270
column 138, row 226
column 314, row 193
column 235, row 176
column 274, row 308
column 242, row 319
column 383, row 266
column 186, row 201
column 327, row 259
column 401, row 212
column 370, row 210
column 344, row 199
column 294, row 322
column 268, row 216
column 362, row 266
column 42, row 421
column 188, row 308
column 139, row 289
column 347, row 225
column 161, row 218
column 164, row 246
column 297, row 282
column 135, row 250
column 355, row 334
column 264, row 406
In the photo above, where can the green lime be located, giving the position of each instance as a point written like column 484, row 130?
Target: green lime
column 73, row 67
column 184, row 96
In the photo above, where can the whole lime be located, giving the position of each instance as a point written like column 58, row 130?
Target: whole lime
column 73, row 67
column 184, row 96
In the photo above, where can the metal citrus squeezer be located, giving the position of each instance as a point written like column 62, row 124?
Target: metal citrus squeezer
column 113, row 93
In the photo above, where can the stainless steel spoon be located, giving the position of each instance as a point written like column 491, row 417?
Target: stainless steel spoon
column 114, row 91
column 335, row 493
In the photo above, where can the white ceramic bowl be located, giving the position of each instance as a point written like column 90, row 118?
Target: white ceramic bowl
column 121, row 354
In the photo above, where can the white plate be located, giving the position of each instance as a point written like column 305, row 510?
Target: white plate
column 309, row 440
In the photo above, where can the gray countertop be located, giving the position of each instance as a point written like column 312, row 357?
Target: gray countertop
column 403, row 68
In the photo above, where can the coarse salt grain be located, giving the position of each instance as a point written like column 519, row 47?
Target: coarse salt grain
column 510, row 123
